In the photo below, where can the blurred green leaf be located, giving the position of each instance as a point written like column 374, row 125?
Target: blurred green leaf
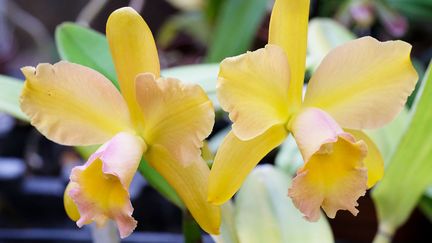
column 203, row 74
column 416, row 10
column 324, row 34
column 212, row 9
column 425, row 206
column 87, row 47
column 264, row 212
column 191, row 23
column 235, row 28
column 10, row 91
column 409, row 172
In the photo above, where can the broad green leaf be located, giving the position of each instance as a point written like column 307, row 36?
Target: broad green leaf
column 235, row 29
column 264, row 212
column 203, row 74
column 289, row 158
column 425, row 206
column 324, row 34
column 87, row 47
column 408, row 173
column 10, row 91
column 416, row 10
column 191, row 23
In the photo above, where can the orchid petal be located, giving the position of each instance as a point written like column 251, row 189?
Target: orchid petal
column 253, row 88
column 190, row 183
column 178, row 117
column 72, row 104
column 288, row 29
column 374, row 161
column 363, row 83
column 69, row 205
column 333, row 175
column 134, row 51
column 235, row 159
column 101, row 185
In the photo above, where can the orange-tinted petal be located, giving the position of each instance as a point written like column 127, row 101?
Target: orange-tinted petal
column 102, row 184
column 69, row 205
column 363, row 83
column 177, row 116
column 253, row 88
column 333, row 175
column 374, row 161
column 235, row 159
column 133, row 50
column 190, row 182
column 72, row 104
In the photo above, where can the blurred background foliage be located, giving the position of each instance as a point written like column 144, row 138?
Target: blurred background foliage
column 192, row 36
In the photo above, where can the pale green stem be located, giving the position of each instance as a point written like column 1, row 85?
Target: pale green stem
column 385, row 233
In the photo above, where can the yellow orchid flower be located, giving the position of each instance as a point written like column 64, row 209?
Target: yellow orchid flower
column 359, row 85
column 74, row 105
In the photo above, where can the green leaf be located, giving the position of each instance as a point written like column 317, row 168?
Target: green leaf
column 416, row 10
column 10, row 91
column 409, row 172
column 235, row 28
column 87, row 47
column 191, row 23
column 203, row 74
column 264, row 212
column 425, row 206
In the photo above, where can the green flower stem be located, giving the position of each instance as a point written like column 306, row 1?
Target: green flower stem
column 385, row 234
column 191, row 230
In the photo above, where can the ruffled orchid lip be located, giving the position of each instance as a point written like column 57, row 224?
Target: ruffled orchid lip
column 101, row 190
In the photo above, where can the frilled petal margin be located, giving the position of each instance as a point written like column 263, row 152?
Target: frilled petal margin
column 177, row 116
column 101, row 184
column 333, row 176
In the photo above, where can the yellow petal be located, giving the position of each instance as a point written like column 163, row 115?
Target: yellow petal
column 374, row 162
column 101, row 189
column 69, row 205
column 178, row 117
column 288, row 29
column 363, row 83
column 190, row 183
column 72, row 104
column 332, row 179
column 333, row 176
column 134, row 51
column 253, row 88
column 235, row 159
